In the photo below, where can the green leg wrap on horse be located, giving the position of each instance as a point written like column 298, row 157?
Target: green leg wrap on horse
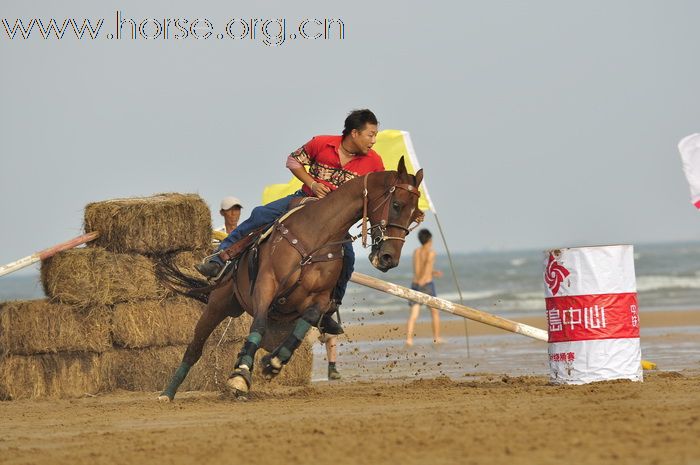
column 177, row 379
column 247, row 353
column 301, row 328
column 285, row 354
column 292, row 342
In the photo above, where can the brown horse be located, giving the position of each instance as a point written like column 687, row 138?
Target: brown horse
column 290, row 275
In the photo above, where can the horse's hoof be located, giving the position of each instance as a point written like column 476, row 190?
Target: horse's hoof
column 239, row 382
column 164, row 398
column 271, row 366
column 238, row 385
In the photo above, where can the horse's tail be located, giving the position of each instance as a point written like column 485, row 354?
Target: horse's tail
column 184, row 284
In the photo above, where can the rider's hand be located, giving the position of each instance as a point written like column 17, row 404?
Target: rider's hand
column 320, row 190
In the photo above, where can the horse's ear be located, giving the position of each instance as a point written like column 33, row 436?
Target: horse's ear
column 402, row 166
column 419, row 177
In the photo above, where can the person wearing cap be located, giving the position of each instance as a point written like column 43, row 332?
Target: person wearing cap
column 332, row 161
column 231, row 211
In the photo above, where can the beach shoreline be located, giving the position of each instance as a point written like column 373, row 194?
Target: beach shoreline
column 370, row 351
column 367, row 329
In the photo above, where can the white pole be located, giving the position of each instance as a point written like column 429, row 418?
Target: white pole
column 46, row 253
column 450, row 307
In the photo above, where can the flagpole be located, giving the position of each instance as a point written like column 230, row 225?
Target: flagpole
column 454, row 277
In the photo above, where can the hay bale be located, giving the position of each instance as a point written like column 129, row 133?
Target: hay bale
column 159, row 224
column 52, row 375
column 151, row 369
column 186, row 261
column 38, row 326
column 91, row 276
column 166, row 323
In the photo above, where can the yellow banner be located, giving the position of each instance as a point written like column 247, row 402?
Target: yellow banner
column 391, row 145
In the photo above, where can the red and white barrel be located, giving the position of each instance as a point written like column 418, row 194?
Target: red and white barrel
column 592, row 314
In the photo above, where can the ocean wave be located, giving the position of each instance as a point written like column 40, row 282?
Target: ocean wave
column 471, row 295
column 657, row 283
column 522, row 304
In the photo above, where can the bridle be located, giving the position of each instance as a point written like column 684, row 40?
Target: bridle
column 384, row 224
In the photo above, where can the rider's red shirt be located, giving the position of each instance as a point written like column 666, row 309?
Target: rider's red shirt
column 321, row 155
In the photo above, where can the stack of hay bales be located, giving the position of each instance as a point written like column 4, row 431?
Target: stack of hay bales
column 108, row 323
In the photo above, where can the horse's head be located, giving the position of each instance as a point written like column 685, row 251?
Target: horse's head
column 391, row 207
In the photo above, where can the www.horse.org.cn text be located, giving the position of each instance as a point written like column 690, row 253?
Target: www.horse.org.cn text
column 271, row 32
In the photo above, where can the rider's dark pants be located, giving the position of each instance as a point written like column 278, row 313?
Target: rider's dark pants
column 348, row 268
column 260, row 216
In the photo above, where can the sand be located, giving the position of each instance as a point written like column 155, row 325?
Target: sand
column 496, row 406
column 519, row 420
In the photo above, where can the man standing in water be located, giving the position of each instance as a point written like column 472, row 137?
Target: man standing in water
column 423, row 261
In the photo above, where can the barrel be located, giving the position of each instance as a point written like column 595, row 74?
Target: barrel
column 592, row 314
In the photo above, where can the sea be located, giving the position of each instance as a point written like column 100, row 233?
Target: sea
column 508, row 284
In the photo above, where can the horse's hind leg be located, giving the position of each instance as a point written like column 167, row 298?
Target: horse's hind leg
column 210, row 319
column 273, row 363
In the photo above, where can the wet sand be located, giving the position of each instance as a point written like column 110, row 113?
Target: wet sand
column 418, row 405
column 671, row 339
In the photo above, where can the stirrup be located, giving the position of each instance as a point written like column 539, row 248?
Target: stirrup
column 224, row 267
column 327, row 325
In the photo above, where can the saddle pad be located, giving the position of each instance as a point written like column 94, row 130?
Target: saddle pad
column 268, row 231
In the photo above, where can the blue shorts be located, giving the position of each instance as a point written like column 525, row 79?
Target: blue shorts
column 428, row 288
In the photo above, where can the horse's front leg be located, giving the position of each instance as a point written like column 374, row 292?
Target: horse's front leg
column 273, row 363
column 210, row 319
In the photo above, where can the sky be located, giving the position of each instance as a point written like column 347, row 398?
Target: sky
column 539, row 124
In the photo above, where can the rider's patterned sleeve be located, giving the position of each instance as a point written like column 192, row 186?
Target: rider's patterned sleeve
column 306, row 153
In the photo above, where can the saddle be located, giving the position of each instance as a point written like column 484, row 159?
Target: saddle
column 299, row 201
column 240, row 246
column 260, row 234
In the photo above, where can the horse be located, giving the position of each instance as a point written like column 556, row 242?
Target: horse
column 289, row 276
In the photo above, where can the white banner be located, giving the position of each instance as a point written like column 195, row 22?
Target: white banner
column 689, row 147
column 589, row 270
column 581, row 362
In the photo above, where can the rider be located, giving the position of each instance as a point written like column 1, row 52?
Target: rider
column 332, row 161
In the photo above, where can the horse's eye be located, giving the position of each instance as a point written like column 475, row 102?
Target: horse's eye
column 396, row 205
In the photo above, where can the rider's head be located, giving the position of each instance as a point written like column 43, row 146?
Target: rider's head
column 360, row 132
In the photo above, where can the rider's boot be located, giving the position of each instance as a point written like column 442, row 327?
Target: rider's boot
column 327, row 324
column 212, row 267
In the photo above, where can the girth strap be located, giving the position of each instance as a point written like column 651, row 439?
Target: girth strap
column 313, row 257
column 335, row 253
